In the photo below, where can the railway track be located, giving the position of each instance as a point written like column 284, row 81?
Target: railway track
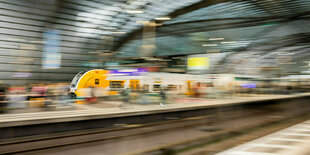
column 34, row 143
column 261, row 125
column 224, row 121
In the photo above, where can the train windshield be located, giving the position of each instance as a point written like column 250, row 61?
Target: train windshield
column 76, row 78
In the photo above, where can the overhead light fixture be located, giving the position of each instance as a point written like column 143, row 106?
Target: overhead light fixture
column 209, row 45
column 285, row 53
column 216, row 39
column 162, row 18
column 94, row 52
column 39, row 42
column 142, row 22
column 135, row 11
column 119, row 32
column 155, row 24
column 16, row 39
column 229, row 42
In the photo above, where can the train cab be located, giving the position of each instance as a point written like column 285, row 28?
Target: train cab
column 88, row 79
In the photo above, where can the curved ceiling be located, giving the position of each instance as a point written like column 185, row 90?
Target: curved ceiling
column 244, row 22
column 93, row 29
column 115, row 26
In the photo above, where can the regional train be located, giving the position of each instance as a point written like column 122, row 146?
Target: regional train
column 111, row 82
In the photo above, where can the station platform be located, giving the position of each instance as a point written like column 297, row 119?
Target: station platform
column 112, row 109
column 294, row 140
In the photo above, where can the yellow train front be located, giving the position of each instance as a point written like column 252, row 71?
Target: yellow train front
column 105, row 82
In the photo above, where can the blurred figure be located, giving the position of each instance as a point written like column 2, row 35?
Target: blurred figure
column 203, row 90
column 17, row 98
column 38, row 94
column 196, row 89
column 49, row 97
column 163, row 96
column 28, row 92
column 125, row 97
column 145, row 89
column 39, row 90
column 62, row 94
column 172, row 94
column 92, row 98
column 211, row 91
column 3, row 102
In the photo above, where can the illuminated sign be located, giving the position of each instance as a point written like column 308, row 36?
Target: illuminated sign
column 128, row 72
column 51, row 49
column 198, row 63
column 248, row 85
column 22, row 74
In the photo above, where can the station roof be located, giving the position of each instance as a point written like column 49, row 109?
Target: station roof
column 193, row 23
column 263, row 28
column 255, row 33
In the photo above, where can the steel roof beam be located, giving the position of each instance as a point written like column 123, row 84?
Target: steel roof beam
column 174, row 14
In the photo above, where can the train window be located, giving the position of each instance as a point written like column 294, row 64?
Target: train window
column 96, row 81
column 156, row 87
column 172, row 87
column 116, row 84
column 145, row 87
column 76, row 78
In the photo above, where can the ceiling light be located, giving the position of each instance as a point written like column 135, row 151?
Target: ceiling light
column 209, row 45
column 94, row 52
column 40, row 42
column 285, row 53
column 216, row 39
column 162, row 18
column 120, row 32
column 16, row 39
column 135, row 11
column 155, row 24
column 229, row 42
column 142, row 22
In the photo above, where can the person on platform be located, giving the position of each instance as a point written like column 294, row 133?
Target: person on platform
column 3, row 99
column 125, row 97
column 163, row 96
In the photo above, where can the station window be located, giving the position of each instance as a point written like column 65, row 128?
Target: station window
column 116, row 84
column 96, row 81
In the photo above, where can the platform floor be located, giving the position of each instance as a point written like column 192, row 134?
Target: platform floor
column 116, row 104
column 294, row 140
column 113, row 109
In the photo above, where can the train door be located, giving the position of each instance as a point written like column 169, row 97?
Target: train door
column 189, row 90
column 89, row 80
column 116, row 86
column 134, row 85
